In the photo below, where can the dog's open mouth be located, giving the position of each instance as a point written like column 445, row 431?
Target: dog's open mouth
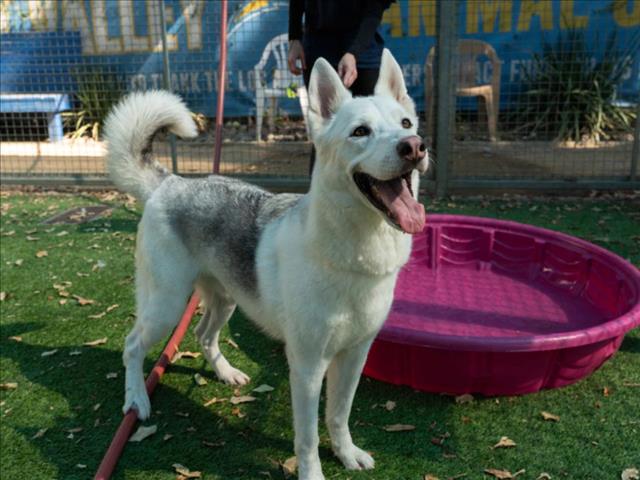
column 395, row 199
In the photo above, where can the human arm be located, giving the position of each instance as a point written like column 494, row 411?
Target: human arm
column 296, row 51
column 371, row 17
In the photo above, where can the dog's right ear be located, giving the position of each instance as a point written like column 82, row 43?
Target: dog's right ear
column 326, row 94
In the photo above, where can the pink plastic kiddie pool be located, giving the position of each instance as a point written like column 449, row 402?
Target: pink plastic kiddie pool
column 500, row 308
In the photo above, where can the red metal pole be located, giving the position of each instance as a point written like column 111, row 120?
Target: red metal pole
column 222, row 75
column 123, row 433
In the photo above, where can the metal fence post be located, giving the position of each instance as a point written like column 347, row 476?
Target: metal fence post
column 166, row 82
column 635, row 152
column 444, row 116
column 222, row 75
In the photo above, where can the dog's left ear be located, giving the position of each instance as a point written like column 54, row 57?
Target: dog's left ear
column 391, row 82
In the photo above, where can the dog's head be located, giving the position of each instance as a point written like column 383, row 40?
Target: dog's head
column 369, row 145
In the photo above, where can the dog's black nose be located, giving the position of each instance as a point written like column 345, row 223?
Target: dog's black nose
column 412, row 149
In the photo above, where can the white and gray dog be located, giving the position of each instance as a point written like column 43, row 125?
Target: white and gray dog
column 316, row 271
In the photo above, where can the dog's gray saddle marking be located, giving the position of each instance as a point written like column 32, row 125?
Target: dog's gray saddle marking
column 225, row 215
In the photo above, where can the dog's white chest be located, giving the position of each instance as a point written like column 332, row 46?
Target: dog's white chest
column 360, row 312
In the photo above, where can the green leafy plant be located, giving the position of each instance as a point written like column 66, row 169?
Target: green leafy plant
column 97, row 91
column 570, row 97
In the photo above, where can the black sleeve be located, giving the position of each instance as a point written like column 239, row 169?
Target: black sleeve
column 371, row 17
column 296, row 10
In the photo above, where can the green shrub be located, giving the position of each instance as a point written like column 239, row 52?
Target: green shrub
column 569, row 97
column 97, row 91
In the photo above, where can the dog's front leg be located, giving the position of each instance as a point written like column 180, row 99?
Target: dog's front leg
column 342, row 381
column 306, row 372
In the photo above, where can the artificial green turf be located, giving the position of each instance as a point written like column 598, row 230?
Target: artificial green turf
column 596, row 438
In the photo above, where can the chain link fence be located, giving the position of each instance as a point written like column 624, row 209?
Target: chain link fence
column 513, row 93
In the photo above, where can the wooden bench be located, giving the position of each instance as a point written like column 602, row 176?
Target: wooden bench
column 50, row 103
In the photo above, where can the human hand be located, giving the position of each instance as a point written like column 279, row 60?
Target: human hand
column 296, row 52
column 347, row 69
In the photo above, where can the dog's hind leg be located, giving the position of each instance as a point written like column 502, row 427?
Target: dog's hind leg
column 343, row 376
column 161, row 294
column 219, row 308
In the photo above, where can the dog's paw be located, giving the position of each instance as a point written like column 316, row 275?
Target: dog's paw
column 138, row 401
column 354, row 458
column 233, row 376
column 310, row 470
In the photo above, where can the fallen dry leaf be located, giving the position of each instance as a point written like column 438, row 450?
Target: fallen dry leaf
column 8, row 386
column 200, row 380
column 550, row 416
column 32, row 239
column 93, row 343
column 178, row 355
column 97, row 315
column 18, row 262
column 40, row 433
column 111, row 308
column 503, row 474
column 241, row 399
column 42, row 253
column 3, row 296
column 428, row 476
column 143, row 432
column 111, row 375
column 75, row 353
column 185, row 472
column 48, row 353
column 263, row 388
column 289, row 466
column 219, row 443
column 15, row 338
column 232, row 343
column 237, row 412
column 96, row 407
column 83, row 301
column 606, row 392
column 214, row 400
column 505, row 442
column 167, row 436
column 399, row 427
column 630, row 474
column 390, row 405
column 466, row 398
column 543, row 476
column 182, row 414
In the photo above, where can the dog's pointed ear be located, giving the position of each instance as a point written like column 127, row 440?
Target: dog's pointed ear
column 326, row 93
column 391, row 82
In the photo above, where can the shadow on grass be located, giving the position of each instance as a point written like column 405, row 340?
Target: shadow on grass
column 253, row 444
column 630, row 344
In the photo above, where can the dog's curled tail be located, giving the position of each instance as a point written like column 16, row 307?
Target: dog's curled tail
column 129, row 131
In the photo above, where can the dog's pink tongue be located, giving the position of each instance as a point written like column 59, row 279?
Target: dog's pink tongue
column 406, row 210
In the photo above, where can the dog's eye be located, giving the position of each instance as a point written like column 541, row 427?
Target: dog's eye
column 406, row 123
column 361, row 131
